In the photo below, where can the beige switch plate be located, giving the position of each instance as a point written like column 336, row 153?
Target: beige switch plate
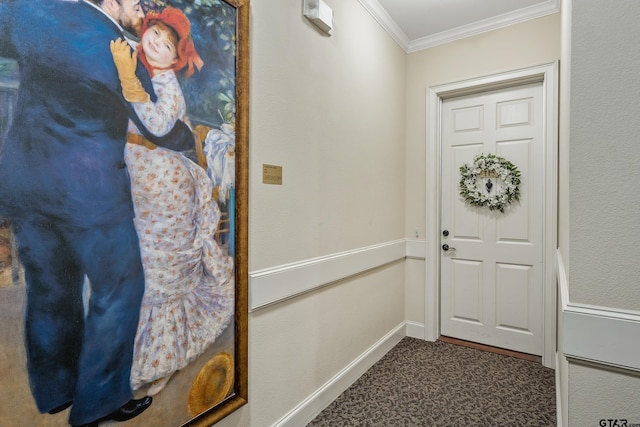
column 271, row 174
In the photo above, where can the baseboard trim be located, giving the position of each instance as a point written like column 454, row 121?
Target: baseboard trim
column 310, row 407
column 414, row 330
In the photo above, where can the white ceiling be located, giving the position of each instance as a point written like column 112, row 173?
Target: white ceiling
column 419, row 24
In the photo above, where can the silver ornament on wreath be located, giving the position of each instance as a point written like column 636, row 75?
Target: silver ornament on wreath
column 490, row 181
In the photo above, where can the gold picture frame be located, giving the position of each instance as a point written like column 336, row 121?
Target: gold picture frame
column 238, row 396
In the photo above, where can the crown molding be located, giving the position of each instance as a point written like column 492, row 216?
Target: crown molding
column 490, row 24
column 388, row 24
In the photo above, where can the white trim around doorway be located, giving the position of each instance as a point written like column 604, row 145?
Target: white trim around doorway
column 547, row 74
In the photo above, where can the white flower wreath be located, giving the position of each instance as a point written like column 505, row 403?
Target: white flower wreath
column 498, row 167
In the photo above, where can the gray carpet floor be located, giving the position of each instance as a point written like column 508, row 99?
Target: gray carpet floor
column 424, row 384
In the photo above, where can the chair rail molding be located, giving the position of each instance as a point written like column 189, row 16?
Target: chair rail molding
column 273, row 285
column 596, row 334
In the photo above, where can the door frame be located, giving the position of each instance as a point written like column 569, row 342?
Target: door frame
column 547, row 74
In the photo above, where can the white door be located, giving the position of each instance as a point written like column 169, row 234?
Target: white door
column 491, row 286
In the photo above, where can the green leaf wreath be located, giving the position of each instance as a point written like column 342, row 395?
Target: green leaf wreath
column 506, row 194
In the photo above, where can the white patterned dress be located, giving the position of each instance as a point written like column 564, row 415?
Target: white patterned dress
column 189, row 278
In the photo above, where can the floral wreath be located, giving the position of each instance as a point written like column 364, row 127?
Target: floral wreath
column 493, row 166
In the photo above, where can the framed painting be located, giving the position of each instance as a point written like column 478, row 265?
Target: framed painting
column 123, row 211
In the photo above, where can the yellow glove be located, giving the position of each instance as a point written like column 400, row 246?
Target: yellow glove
column 125, row 61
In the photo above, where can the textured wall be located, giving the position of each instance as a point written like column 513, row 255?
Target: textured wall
column 603, row 204
column 597, row 394
column 604, row 154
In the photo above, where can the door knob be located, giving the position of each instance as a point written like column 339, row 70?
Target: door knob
column 446, row 247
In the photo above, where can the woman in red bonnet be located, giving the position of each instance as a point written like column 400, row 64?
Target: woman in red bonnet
column 189, row 279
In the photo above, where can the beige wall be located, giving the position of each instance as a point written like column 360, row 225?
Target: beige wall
column 518, row 46
column 415, row 290
column 297, row 346
column 330, row 111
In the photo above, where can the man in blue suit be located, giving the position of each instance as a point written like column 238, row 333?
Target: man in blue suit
column 64, row 185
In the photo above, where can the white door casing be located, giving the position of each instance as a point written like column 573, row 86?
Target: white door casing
column 547, row 75
column 491, row 283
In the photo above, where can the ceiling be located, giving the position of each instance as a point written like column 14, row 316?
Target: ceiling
column 420, row 24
